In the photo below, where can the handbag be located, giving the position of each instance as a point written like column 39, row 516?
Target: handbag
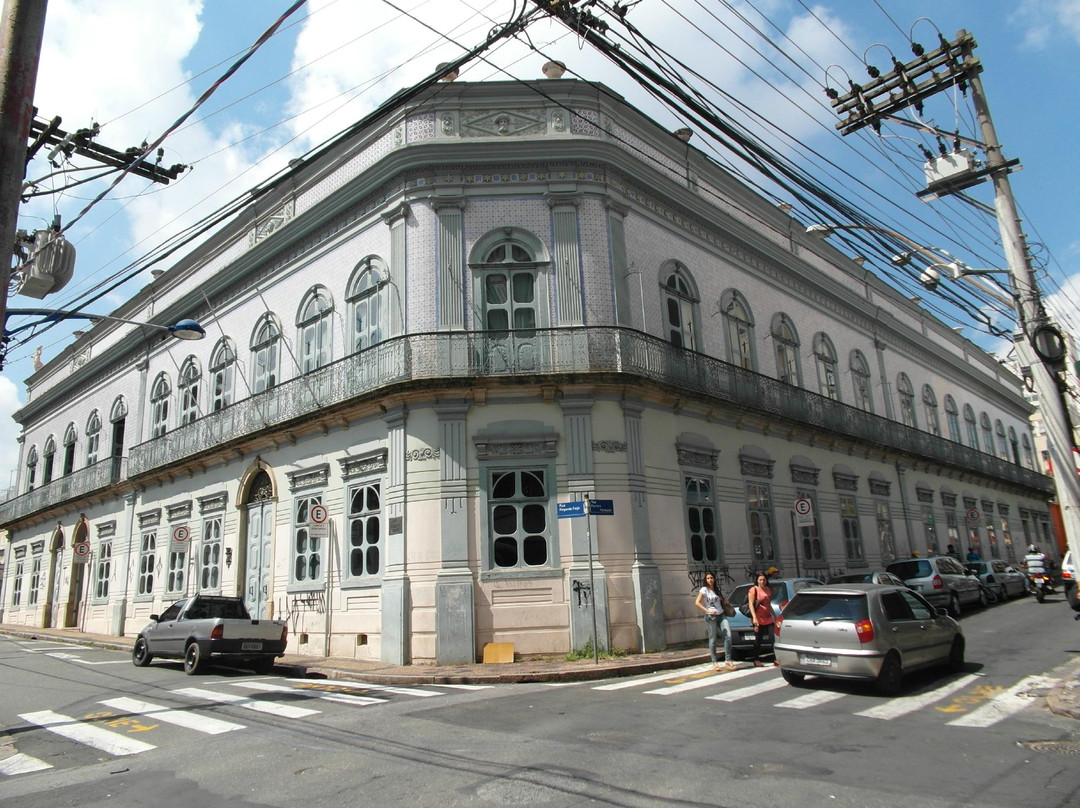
column 744, row 609
column 729, row 610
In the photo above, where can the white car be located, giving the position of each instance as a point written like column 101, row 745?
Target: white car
column 1004, row 580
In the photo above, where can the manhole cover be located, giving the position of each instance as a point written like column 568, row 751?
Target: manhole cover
column 1055, row 747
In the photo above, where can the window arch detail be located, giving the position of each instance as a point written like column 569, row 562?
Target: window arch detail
column 510, row 281
column 860, row 381
column 825, row 357
column 681, row 306
column 265, row 353
column 952, row 419
column 930, row 409
column 313, row 324
column 739, row 328
column 907, row 400
column 93, row 438
column 786, row 347
column 189, row 383
column 222, row 374
column 160, row 393
column 368, row 301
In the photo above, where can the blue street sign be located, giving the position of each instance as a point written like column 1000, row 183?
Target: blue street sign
column 568, row 510
column 602, row 507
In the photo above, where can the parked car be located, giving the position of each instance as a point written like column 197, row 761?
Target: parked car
column 1004, row 580
column 869, row 577
column 204, row 628
column 1068, row 582
column 871, row 632
column 942, row 580
column 781, row 591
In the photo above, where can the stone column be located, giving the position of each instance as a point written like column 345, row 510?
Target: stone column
column 567, row 258
column 397, row 219
column 648, row 592
column 451, row 258
column 455, row 620
column 396, row 602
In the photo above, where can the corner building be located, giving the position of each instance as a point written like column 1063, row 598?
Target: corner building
column 500, row 297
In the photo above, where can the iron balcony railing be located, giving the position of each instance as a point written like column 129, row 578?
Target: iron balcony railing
column 79, row 483
column 557, row 352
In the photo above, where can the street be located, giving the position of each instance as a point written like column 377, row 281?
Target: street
column 84, row 727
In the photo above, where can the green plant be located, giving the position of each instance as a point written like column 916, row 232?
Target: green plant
column 586, row 652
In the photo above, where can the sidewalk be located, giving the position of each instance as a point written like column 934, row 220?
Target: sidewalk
column 1063, row 700
column 555, row 670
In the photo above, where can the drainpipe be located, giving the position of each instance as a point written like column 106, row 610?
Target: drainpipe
column 904, row 506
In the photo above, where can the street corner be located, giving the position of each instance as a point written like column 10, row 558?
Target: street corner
column 1064, row 698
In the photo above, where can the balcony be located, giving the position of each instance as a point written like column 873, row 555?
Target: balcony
column 566, row 354
column 79, row 483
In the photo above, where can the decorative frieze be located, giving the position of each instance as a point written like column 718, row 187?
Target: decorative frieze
column 213, row 502
column 106, row 530
column 924, row 493
column 609, row 446
column 1003, row 509
column 843, row 481
column 879, row 486
column 363, row 465
column 503, row 123
column 179, row 512
column 314, row 477
column 149, row 519
column 489, row 448
column 948, row 499
column 422, row 454
column 268, row 224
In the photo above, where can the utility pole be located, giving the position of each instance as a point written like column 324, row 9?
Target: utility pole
column 20, row 48
column 1039, row 342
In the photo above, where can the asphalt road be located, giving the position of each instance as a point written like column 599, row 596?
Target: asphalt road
column 114, row 735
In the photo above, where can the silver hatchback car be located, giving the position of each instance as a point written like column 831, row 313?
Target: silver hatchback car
column 871, row 632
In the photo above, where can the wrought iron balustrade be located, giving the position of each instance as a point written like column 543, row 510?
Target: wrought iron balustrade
column 71, row 486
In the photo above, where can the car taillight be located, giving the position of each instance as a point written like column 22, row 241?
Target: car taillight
column 1066, row 575
column 218, row 632
column 284, row 633
column 937, row 582
column 776, row 626
column 864, row 629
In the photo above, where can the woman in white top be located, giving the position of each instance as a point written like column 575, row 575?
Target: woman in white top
column 710, row 601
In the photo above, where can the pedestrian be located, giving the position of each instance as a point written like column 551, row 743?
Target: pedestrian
column 973, row 554
column 759, row 599
column 710, row 601
column 951, row 551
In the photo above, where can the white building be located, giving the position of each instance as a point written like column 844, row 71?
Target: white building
column 489, row 302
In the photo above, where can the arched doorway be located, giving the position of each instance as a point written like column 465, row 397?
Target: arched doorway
column 258, row 526
column 77, row 583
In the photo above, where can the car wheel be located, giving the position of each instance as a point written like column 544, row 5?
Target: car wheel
column 890, row 677
column 140, row 654
column 1040, row 595
column 956, row 655
column 792, row 678
column 954, row 605
column 192, row 659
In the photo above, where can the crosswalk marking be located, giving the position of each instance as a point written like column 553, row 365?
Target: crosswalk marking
column 181, row 718
column 75, row 730
column 273, row 708
column 345, row 698
column 1008, row 703
column 22, row 764
column 894, row 708
column 402, row 691
column 709, row 681
column 750, row 690
column 815, row 699
column 660, row 677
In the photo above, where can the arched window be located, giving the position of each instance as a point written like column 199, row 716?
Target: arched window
column 1002, row 443
column 739, row 324
column 929, row 400
column 681, row 307
column 786, row 346
column 313, row 329
column 952, row 418
column 222, row 365
column 972, row 427
column 987, row 433
column 93, row 437
column 509, row 284
column 190, row 380
column 907, row 400
column 860, row 381
column 265, row 353
column 48, row 457
column 70, row 438
column 159, row 406
column 825, row 355
column 1014, row 447
column 118, row 419
column 1029, row 456
column 368, row 300
column 31, row 468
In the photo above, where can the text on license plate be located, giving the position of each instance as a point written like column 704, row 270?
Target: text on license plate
column 807, row 659
column 251, row 646
column 748, row 637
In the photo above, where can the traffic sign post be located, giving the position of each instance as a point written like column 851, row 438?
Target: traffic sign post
column 587, row 507
column 81, row 552
column 318, row 529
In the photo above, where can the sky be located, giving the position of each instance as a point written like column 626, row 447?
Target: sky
column 137, row 66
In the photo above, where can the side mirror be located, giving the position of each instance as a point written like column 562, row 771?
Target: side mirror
column 942, row 611
column 155, row 617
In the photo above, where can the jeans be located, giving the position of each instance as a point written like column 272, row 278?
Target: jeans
column 714, row 623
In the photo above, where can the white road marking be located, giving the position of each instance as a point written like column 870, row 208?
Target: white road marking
column 465, row 687
column 752, row 690
column 349, row 698
column 22, row 764
column 88, row 734
column 814, row 699
column 660, row 677
column 894, row 708
column 273, row 708
column 1008, row 703
column 181, row 718
column 708, row 681
column 344, row 698
column 401, row 691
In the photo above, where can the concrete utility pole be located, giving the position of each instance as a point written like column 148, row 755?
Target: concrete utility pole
column 1039, row 343
column 20, row 47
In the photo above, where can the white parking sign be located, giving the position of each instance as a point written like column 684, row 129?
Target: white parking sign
column 804, row 513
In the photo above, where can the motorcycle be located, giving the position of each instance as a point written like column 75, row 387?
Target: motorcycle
column 1040, row 585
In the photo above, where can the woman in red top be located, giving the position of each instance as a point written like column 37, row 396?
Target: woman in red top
column 759, row 598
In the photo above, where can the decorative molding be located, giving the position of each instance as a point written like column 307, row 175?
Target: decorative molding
column 845, row 482
column 516, row 446
column 148, row 519
column 268, row 224
column 1003, row 509
column 987, row 506
column 948, row 499
column 924, row 493
column 423, row 454
column 805, row 475
column 879, row 487
column 363, row 465
column 180, row 512
column 106, row 530
column 970, row 502
column 37, row 547
column 503, row 123
column 313, row 477
column 609, row 446
column 213, row 502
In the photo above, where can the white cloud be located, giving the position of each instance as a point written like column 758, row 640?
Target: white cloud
column 9, row 432
column 1042, row 21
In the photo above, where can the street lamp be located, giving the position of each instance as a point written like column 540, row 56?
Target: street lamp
column 184, row 329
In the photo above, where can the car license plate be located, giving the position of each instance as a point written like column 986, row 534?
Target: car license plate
column 748, row 637
column 807, row 659
column 251, row 646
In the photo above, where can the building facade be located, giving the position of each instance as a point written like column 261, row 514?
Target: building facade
column 501, row 297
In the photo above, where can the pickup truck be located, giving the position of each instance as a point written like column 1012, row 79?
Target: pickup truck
column 205, row 628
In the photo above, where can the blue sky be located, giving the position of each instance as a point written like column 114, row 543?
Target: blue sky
column 135, row 66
